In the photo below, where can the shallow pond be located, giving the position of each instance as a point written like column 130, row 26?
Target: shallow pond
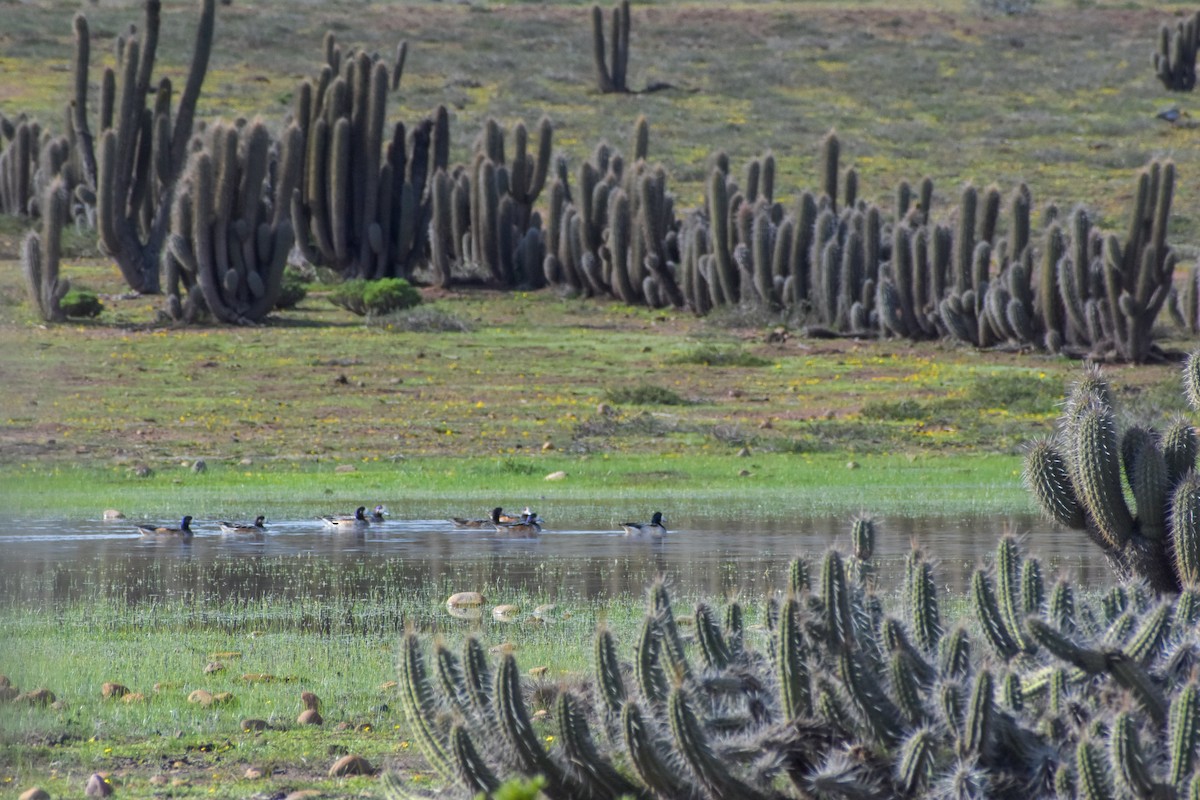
column 55, row 561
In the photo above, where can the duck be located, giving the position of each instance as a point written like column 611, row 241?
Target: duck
column 653, row 528
column 528, row 526
column 380, row 513
column 497, row 517
column 244, row 528
column 184, row 531
column 357, row 521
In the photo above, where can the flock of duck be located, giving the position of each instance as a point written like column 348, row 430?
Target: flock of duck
column 526, row 525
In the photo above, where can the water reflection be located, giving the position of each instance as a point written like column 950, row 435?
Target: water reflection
column 56, row 561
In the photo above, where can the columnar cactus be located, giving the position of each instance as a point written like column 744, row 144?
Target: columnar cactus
column 1175, row 58
column 231, row 231
column 18, row 162
column 1080, row 477
column 611, row 61
column 362, row 207
column 143, row 150
column 40, row 255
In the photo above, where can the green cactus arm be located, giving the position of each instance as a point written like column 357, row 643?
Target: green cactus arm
column 1092, row 769
column 991, row 620
column 651, row 759
column 416, row 698
column 710, row 771
column 1183, row 733
column 584, row 761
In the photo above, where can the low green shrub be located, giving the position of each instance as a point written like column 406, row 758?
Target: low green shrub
column 81, row 303
column 293, row 290
column 645, row 394
column 375, row 297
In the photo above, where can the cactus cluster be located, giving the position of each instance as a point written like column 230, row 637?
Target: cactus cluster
column 40, row 256
column 1175, row 58
column 483, row 213
column 361, row 206
column 231, row 230
column 611, row 59
column 1082, row 475
column 32, row 158
column 141, row 150
column 1036, row 693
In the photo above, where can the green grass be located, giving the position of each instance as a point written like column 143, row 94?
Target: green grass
column 340, row 647
column 778, row 486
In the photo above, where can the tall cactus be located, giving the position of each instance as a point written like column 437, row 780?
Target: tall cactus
column 144, row 150
column 1175, row 58
column 228, row 242
column 40, row 254
column 611, row 62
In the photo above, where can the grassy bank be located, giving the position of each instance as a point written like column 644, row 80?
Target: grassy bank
column 270, row 652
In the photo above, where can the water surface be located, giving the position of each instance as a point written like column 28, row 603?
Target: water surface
column 58, row 560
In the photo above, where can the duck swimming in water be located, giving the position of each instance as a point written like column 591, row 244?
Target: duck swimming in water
column 244, row 528
column 354, row 522
column 184, row 531
column 654, row 528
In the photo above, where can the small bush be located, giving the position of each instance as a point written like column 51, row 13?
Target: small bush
column 646, row 394
column 713, row 356
column 81, row 303
column 375, row 297
column 293, row 290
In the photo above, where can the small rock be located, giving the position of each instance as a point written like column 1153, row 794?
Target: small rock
column 246, row 462
column 97, row 786
column 111, row 690
column 159, row 780
column 309, row 717
column 304, row 794
column 201, row 697
column 505, row 613
column 248, row 725
column 744, row 452
column 459, row 599
column 199, row 466
column 253, row 773
column 350, row 765
column 345, row 468
column 34, row 793
column 113, row 514
column 547, row 446
column 556, row 476
column 743, row 473
column 142, row 471
column 852, row 465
